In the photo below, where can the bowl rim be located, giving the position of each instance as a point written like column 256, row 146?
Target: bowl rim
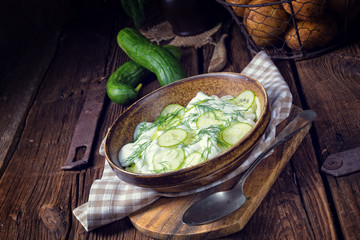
column 188, row 169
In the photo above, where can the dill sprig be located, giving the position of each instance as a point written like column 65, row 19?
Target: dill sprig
column 137, row 153
column 190, row 119
column 208, row 149
column 143, row 127
column 168, row 121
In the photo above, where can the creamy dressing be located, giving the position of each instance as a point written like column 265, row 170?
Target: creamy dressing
column 138, row 156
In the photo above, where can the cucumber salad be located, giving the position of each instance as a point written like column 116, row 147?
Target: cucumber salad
column 184, row 136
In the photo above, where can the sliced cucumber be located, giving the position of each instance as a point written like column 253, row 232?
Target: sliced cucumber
column 211, row 118
column 168, row 159
column 221, row 142
column 258, row 108
column 173, row 109
column 133, row 168
column 171, row 122
column 170, row 117
column 244, row 100
column 172, row 137
column 191, row 138
column 193, row 159
column 235, row 132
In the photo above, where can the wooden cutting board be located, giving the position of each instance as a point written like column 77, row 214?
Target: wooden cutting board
column 162, row 219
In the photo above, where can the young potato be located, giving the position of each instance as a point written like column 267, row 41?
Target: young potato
column 312, row 34
column 266, row 21
column 305, row 9
column 239, row 11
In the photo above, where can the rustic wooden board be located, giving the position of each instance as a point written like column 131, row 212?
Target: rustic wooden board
column 162, row 220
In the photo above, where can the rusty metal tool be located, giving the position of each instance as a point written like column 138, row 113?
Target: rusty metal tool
column 219, row 57
column 342, row 163
column 84, row 133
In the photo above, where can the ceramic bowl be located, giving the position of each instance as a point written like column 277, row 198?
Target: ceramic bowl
column 181, row 92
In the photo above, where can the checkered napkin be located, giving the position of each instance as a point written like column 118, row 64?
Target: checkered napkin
column 112, row 199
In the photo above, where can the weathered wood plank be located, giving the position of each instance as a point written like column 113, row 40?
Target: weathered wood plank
column 33, row 175
column 19, row 88
column 332, row 89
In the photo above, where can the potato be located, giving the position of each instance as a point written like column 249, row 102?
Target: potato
column 312, row 33
column 266, row 21
column 305, row 9
column 239, row 11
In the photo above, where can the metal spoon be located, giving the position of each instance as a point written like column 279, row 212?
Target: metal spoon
column 221, row 204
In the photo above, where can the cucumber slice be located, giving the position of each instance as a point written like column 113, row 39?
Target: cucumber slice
column 211, row 118
column 170, row 116
column 233, row 133
column 171, row 122
column 244, row 100
column 221, row 142
column 168, row 159
column 193, row 159
column 173, row 108
column 172, row 137
column 191, row 138
column 258, row 108
column 133, row 168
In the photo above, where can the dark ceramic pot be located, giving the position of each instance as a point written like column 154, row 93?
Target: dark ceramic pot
column 191, row 17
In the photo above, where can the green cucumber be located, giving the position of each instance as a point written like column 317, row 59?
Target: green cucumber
column 258, row 108
column 170, row 123
column 193, row 159
column 173, row 109
column 151, row 56
column 211, row 118
column 124, row 83
column 122, row 93
column 168, row 159
column 172, row 137
column 244, row 100
column 235, row 132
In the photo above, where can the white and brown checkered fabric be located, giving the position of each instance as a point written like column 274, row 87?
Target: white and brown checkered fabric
column 111, row 199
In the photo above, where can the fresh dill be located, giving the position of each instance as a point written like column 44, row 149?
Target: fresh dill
column 142, row 128
column 137, row 153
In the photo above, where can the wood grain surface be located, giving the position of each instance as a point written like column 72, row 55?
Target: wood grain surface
column 335, row 90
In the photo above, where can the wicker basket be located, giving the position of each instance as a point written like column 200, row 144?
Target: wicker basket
column 285, row 31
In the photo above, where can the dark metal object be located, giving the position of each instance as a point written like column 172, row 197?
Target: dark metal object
column 84, row 133
column 343, row 163
column 221, row 204
column 219, row 57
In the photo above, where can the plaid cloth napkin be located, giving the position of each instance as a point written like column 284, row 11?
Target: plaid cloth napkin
column 112, row 199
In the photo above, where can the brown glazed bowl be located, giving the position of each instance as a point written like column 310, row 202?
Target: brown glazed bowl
column 181, row 92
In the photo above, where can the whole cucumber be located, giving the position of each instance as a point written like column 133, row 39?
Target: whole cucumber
column 124, row 83
column 122, row 93
column 151, row 56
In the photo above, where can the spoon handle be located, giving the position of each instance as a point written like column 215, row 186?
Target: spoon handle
column 301, row 120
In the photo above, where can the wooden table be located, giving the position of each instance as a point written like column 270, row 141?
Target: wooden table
column 42, row 97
